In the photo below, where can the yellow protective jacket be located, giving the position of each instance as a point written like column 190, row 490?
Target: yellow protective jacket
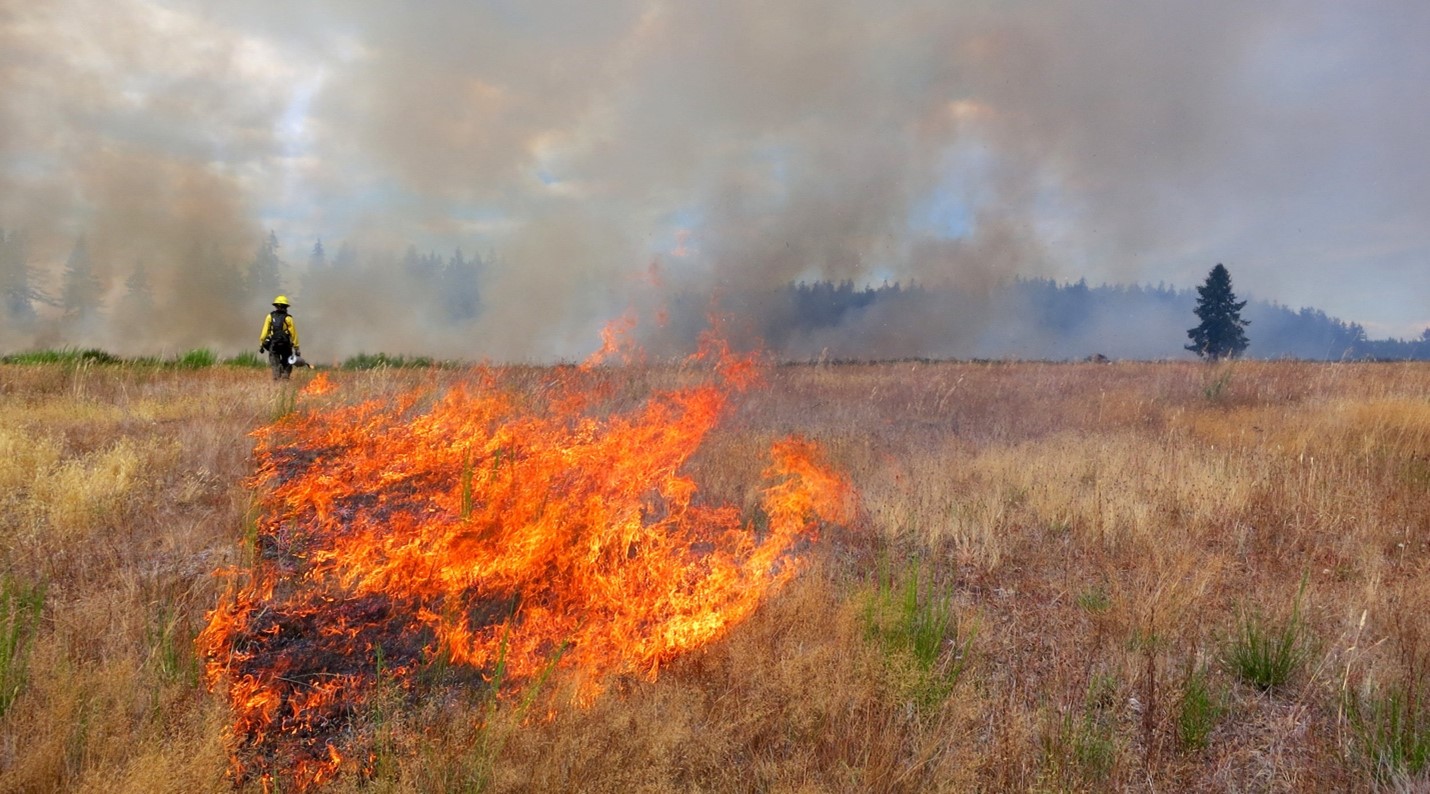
column 287, row 321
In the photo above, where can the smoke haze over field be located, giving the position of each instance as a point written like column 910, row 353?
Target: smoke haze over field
column 738, row 145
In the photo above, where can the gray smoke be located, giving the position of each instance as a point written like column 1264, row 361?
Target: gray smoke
column 739, row 145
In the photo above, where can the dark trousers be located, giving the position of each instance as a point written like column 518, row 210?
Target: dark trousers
column 278, row 360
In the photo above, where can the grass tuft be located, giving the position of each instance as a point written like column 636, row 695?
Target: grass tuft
column 172, row 647
column 20, row 608
column 198, row 358
column 366, row 361
column 1201, row 708
column 917, row 630
column 1392, row 733
column 286, row 401
column 248, row 359
column 1215, row 389
column 1269, row 656
column 1080, row 748
column 1095, row 600
column 66, row 355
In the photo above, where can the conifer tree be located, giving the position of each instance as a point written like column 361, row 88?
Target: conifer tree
column 207, row 298
column 461, row 298
column 136, row 306
column 317, row 278
column 264, row 277
column 18, row 296
column 81, row 295
column 318, row 260
column 347, row 259
column 1221, row 332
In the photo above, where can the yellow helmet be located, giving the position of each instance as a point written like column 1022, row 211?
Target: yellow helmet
column 281, row 300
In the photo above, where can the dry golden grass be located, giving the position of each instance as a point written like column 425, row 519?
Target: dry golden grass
column 1097, row 533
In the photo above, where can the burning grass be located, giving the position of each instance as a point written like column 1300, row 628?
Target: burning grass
column 479, row 525
column 1040, row 592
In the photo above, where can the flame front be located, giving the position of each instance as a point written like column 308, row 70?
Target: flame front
column 491, row 524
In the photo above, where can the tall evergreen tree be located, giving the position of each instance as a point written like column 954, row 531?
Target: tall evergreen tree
column 81, row 293
column 319, row 258
column 264, row 279
column 18, row 296
column 206, row 299
column 346, row 260
column 461, row 298
column 1221, row 332
column 315, row 279
column 136, row 306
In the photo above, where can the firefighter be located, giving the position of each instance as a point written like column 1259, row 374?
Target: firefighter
column 279, row 339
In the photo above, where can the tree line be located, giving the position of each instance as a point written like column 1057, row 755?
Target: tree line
column 376, row 296
column 1027, row 318
column 89, row 304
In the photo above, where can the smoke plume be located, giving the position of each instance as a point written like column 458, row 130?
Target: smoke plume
column 740, row 146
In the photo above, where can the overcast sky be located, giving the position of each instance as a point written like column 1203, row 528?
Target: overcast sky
column 741, row 142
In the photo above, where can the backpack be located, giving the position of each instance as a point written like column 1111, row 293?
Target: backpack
column 278, row 338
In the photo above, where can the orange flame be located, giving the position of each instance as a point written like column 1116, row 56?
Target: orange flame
column 319, row 385
column 490, row 525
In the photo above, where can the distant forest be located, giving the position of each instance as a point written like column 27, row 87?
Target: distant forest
column 431, row 304
column 1021, row 318
column 214, row 298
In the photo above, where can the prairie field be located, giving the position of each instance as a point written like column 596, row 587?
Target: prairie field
column 1057, row 577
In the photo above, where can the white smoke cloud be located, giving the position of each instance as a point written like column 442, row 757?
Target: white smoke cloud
column 797, row 139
